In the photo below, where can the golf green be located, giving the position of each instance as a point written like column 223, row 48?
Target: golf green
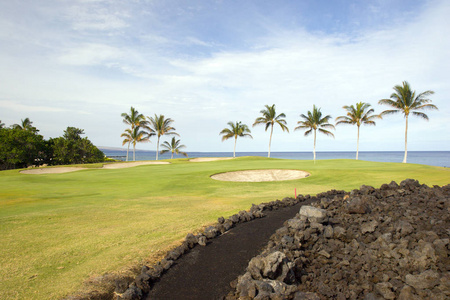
column 58, row 230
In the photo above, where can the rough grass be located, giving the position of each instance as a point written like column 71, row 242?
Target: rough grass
column 59, row 230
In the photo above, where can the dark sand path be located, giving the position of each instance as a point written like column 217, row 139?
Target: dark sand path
column 206, row 272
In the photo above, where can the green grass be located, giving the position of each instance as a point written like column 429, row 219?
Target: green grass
column 59, row 230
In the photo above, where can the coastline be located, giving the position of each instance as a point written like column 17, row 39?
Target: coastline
column 431, row 158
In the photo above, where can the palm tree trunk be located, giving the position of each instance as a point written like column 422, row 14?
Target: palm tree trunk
column 128, row 150
column 270, row 141
column 171, row 156
column 406, row 140
column 314, row 146
column 234, row 151
column 157, row 149
column 357, row 145
column 134, row 152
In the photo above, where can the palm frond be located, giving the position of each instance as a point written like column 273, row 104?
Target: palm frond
column 182, row 153
column 226, row 131
column 259, row 120
column 326, row 132
column 427, row 106
column 308, row 132
column 389, row 112
column 389, row 102
column 282, row 115
column 420, row 115
column 282, row 124
column 304, row 117
column 299, row 127
column 327, row 125
column 369, row 122
column 344, row 120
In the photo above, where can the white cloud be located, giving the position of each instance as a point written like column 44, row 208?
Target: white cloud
column 97, row 15
column 19, row 107
column 111, row 60
column 90, row 54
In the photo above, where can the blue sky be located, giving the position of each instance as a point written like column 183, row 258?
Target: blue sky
column 204, row 63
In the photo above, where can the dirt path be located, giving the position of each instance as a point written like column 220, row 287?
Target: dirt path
column 206, row 272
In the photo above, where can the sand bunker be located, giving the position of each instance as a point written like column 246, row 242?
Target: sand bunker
column 261, row 175
column 59, row 170
column 52, row 170
column 202, row 159
column 134, row 164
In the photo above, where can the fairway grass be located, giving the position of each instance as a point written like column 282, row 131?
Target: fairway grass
column 58, row 230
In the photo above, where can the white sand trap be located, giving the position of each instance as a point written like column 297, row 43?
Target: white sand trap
column 133, row 164
column 59, row 170
column 261, row 175
column 52, row 170
column 202, row 159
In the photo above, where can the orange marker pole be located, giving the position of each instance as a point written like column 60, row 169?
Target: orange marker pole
column 295, row 192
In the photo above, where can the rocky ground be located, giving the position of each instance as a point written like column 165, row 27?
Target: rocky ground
column 385, row 243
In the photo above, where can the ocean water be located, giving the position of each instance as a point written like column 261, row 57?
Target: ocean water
column 431, row 158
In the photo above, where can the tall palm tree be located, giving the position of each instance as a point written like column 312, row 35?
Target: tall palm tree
column 25, row 124
column 406, row 101
column 135, row 120
column 270, row 118
column 235, row 130
column 361, row 114
column 174, row 147
column 313, row 122
column 134, row 136
column 159, row 126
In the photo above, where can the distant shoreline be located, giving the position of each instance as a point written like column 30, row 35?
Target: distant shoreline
column 431, row 158
column 324, row 151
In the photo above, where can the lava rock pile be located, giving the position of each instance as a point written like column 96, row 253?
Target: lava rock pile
column 386, row 243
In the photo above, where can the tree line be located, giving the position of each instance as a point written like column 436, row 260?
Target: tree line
column 22, row 146
column 403, row 100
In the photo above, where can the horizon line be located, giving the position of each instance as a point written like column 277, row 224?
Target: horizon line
column 289, row 151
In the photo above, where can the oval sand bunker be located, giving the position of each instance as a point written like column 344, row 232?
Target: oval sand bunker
column 58, row 170
column 261, row 175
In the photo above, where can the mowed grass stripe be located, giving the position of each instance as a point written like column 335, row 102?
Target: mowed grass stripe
column 59, row 230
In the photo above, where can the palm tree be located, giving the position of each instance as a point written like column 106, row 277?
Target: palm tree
column 406, row 101
column 160, row 126
column 361, row 114
column 134, row 136
column 127, row 135
column 315, row 121
column 174, row 147
column 270, row 118
column 235, row 130
column 25, row 124
column 135, row 120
